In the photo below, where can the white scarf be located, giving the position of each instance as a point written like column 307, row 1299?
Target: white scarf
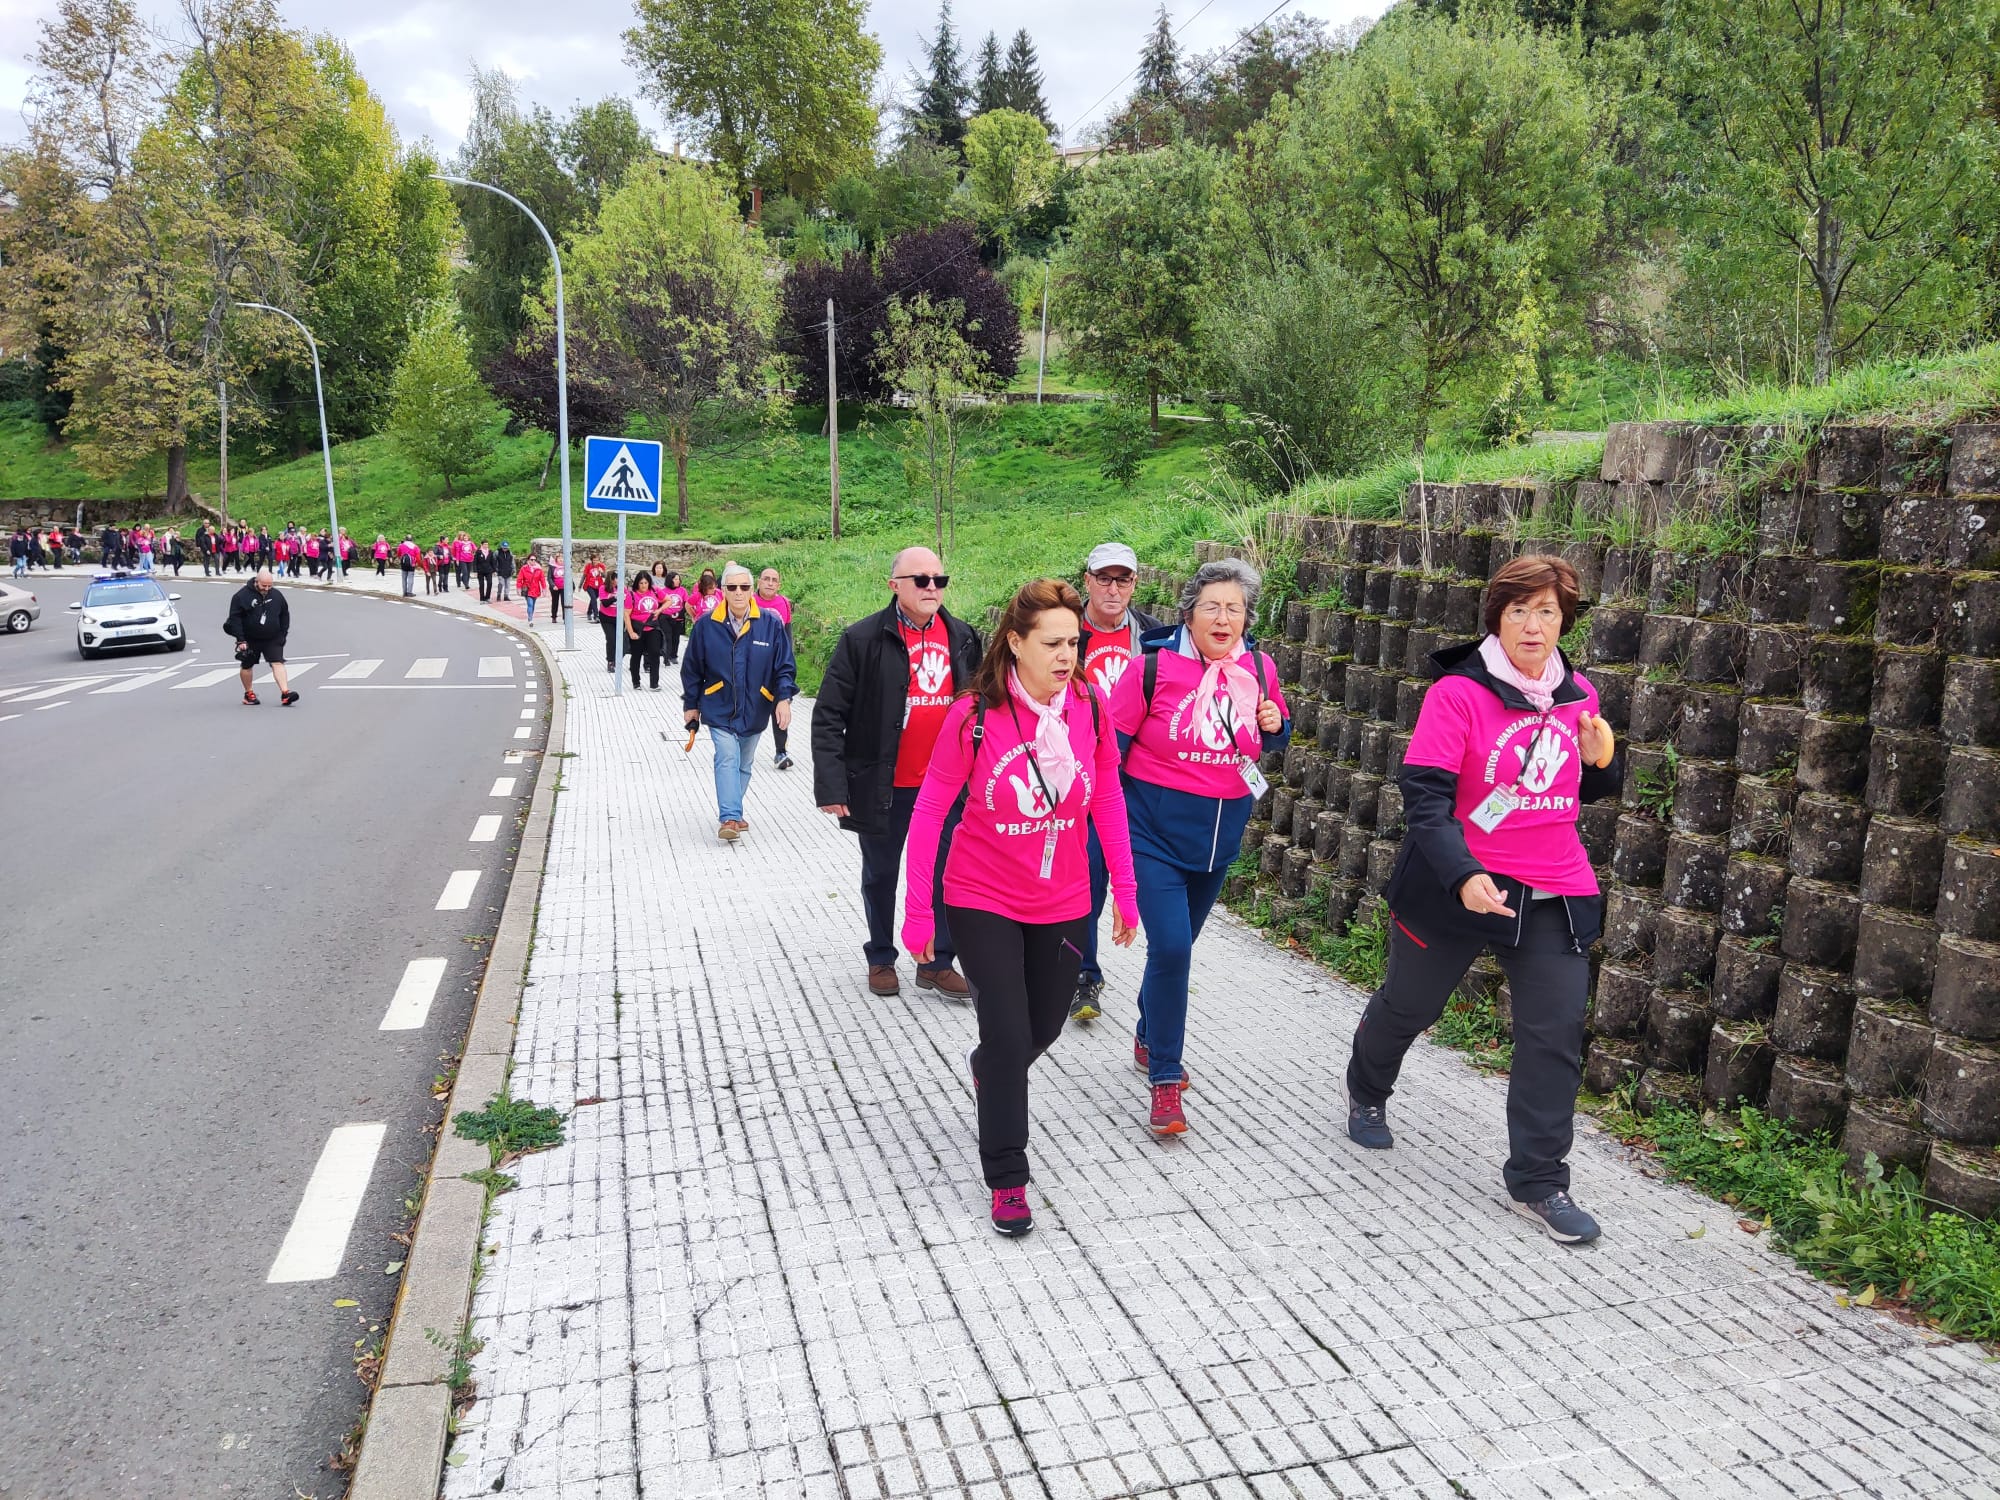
column 1050, row 741
column 1540, row 691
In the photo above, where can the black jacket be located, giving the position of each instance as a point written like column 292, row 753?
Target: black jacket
column 1434, row 860
column 857, row 722
column 258, row 617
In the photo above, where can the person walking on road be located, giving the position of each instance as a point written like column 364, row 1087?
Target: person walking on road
column 533, row 582
column 770, row 597
column 1196, row 714
column 1107, row 644
column 881, row 705
column 1031, row 754
column 737, row 676
column 642, row 629
column 1508, row 745
column 259, row 620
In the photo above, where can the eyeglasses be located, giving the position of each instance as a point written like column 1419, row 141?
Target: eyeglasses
column 1520, row 614
column 1214, row 610
column 1116, row 580
column 736, row 588
column 925, row 580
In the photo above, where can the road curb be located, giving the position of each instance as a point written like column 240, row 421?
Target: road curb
column 409, row 1417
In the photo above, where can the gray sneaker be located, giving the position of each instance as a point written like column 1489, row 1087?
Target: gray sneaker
column 1368, row 1125
column 1559, row 1218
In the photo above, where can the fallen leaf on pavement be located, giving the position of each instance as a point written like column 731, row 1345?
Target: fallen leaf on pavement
column 345, row 1302
column 1697, row 1232
column 392, row 1268
column 1749, row 1226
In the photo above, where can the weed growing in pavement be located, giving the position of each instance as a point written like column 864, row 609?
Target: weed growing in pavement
column 511, row 1127
column 1878, row 1236
column 461, row 1347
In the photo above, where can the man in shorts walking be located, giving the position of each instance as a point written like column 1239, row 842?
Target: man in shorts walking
column 259, row 619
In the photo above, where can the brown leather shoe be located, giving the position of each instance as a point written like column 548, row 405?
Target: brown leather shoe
column 883, row 981
column 945, row 980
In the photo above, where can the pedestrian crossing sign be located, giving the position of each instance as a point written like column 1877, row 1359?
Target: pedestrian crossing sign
column 621, row 475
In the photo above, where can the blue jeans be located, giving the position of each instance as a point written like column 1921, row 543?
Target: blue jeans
column 529, row 600
column 1100, row 886
column 1173, row 903
column 735, row 758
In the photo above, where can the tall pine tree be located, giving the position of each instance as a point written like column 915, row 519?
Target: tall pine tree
column 1023, row 79
column 1160, row 63
column 941, row 90
column 989, row 90
column 1154, row 114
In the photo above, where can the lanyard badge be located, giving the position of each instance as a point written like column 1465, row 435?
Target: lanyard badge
column 1253, row 778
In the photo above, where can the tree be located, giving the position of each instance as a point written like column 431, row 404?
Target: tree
column 989, row 89
column 775, row 91
column 1151, row 116
column 860, row 319
column 1461, row 164
column 943, row 264
column 926, row 351
column 912, row 188
column 1022, row 81
column 674, row 281
column 1231, row 88
column 439, row 412
column 1129, row 282
column 1850, row 141
column 1009, row 167
column 523, row 380
column 940, row 87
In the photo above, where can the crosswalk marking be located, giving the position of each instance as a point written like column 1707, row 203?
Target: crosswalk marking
column 317, row 1240
column 73, row 685
column 133, row 684
column 364, row 667
column 207, row 679
column 5, row 717
column 427, row 666
column 496, row 666
column 293, row 672
column 412, row 1003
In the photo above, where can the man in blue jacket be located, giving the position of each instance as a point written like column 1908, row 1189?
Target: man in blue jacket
column 736, row 673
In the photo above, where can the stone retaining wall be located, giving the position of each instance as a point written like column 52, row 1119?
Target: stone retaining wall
column 1802, row 877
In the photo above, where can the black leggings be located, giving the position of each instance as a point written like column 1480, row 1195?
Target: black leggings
column 1549, row 984
column 1023, row 976
column 645, row 649
column 672, row 644
column 611, row 628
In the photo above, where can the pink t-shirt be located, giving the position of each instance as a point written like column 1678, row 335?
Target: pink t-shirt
column 1182, row 744
column 672, row 602
column 465, row 551
column 1465, row 729
column 778, row 605
column 641, row 606
column 996, row 854
column 382, row 549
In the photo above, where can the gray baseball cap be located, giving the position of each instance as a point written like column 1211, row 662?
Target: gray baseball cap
column 1111, row 555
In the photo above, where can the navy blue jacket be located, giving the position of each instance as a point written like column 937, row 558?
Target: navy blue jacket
column 736, row 680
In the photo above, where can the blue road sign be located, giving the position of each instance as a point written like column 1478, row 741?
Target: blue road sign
column 621, row 475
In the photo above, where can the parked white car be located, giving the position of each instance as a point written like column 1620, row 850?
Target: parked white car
column 124, row 610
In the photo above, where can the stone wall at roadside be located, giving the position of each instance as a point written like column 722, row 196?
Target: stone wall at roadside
column 1802, row 876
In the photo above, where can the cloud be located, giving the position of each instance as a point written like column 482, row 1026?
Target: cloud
column 419, row 58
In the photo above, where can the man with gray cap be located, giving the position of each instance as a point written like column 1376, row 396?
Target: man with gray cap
column 1108, row 643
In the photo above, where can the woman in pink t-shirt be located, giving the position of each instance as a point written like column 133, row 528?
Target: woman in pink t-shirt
column 707, row 595
column 1037, row 760
column 1508, row 745
column 642, row 629
column 674, row 610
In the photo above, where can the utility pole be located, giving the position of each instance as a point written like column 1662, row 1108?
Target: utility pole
column 325, row 441
column 1042, row 359
column 222, row 479
column 832, row 420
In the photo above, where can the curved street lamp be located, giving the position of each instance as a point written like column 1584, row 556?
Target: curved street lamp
column 562, row 390
column 325, row 444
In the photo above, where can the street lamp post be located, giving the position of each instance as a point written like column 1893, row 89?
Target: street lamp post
column 325, row 443
column 562, row 392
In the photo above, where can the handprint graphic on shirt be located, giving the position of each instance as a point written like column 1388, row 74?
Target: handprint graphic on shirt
column 1110, row 670
column 1541, row 759
column 932, row 668
column 1029, row 797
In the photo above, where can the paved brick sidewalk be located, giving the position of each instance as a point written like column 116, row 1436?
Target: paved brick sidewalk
column 760, row 1265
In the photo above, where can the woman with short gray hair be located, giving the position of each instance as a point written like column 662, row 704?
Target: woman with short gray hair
column 1195, row 720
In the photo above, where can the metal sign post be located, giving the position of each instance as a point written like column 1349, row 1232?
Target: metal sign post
column 621, row 476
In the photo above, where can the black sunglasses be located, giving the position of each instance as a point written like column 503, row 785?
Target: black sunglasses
column 925, row 580
column 736, row 588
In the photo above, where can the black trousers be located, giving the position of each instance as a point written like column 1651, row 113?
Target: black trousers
column 882, row 865
column 1549, row 984
column 610, row 624
column 671, row 633
column 486, row 585
column 645, row 649
column 1023, row 975
column 778, row 739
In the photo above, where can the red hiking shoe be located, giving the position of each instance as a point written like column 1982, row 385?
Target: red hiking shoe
column 1011, row 1215
column 1144, row 1063
column 1167, row 1118
column 250, row 697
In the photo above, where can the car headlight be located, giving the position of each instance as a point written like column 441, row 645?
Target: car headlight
column 89, row 622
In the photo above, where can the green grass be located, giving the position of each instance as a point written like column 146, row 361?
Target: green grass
column 1876, row 1236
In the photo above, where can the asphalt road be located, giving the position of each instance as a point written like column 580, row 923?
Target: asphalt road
column 207, row 910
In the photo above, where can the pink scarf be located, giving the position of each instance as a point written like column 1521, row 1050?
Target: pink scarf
column 1053, row 752
column 1233, row 679
column 1540, row 691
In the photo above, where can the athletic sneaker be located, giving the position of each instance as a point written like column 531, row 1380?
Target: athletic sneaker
column 1167, row 1118
column 1084, row 1006
column 1011, row 1215
column 1559, row 1218
column 1144, row 1063
column 1368, row 1125
column 287, row 699
column 783, row 762
column 251, row 698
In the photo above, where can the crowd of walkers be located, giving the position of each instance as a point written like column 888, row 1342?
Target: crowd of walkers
column 138, row 548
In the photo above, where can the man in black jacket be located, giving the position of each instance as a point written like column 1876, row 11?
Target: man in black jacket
column 260, row 620
column 884, row 697
column 1107, row 644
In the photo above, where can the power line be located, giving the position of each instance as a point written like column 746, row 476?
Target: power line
column 1135, row 68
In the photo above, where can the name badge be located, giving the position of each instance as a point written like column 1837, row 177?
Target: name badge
column 1493, row 811
column 1253, row 778
column 1049, row 852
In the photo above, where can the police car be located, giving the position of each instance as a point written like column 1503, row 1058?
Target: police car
column 123, row 610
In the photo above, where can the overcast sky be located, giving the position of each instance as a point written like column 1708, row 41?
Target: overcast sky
column 417, row 54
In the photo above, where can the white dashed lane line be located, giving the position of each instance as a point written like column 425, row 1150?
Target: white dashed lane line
column 458, row 890
column 486, row 829
column 503, row 786
column 523, row 732
column 496, row 666
column 412, row 1003
column 317, row 1240
column 207, row 679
